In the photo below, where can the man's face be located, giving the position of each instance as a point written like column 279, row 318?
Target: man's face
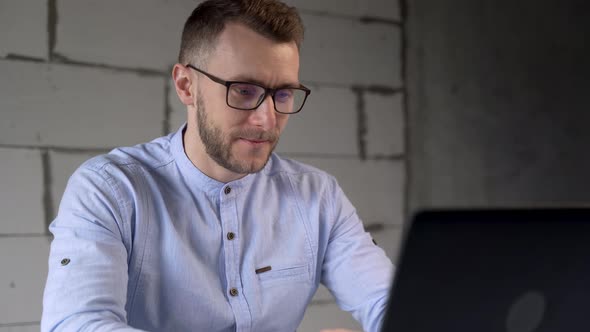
column 237, row 140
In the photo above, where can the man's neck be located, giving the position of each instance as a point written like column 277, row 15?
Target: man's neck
column 195, row 151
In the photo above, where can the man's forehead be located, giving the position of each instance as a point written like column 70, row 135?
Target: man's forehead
column 245, row 55
column 238, row 35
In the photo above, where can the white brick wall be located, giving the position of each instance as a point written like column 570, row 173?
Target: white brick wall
column 384, row 9
column 132, row 33
column 346, row 51
column 21, row 193
column 324, row 316
column 376, row 187
column 106, row 83
column 20, row 36
column 24, row 269
column 71, row 106
column 20, row 328
column 385, row 124
column 326, row 125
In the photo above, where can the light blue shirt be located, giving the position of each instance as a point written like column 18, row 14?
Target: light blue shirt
column 145, row 241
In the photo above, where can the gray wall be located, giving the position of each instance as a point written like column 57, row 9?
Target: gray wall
column 498, row 102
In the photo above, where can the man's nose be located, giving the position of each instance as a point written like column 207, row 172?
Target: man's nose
column 264, row 116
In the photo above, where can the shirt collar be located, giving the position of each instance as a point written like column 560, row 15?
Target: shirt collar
column 200, row 180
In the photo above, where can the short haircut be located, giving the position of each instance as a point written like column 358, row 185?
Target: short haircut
column 270, row 18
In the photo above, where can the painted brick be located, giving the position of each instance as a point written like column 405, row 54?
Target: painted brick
column 323, row 316
column 326, row 125
column 21, row 328
column 23, row 28
column 21, row 193
column 389, row 239
column 385, row 124
column 63, row 165
column 346, row 51
column 386, row 9
column 70, row 106
column 136, row 33
column 322, row 295
column 375, row 187
column 23, row 278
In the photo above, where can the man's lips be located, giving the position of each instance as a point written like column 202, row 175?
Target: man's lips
column 254, row 141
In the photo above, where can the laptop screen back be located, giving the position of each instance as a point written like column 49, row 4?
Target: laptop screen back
column 504, row 270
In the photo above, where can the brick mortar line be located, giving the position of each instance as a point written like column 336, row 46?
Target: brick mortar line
column 381, row 226
column 23, row 58
column 397, row 157
column 56, row 148
column 366, row 19
column 60, row 149
column 52, row 18
column 47, row 184
column 167, row 109
column 361, row 122
column 63, row 61
column 60, row 60
column 57, row 59
column 23, row 235
column 19, row 324
column 373, row 88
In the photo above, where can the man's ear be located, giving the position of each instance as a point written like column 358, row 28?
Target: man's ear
column 183, row 82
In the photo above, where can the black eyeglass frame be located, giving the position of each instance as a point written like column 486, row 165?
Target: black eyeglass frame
column 267, row 91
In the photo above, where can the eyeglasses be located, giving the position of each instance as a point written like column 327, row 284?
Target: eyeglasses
column 248, row 96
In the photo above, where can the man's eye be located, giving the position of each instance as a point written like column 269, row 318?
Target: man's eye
column 283, row 95
column 244, row 90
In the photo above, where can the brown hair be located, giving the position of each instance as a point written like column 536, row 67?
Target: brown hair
column 270, row 18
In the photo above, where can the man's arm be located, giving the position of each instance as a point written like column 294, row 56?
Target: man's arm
column 87, row 282
column 357, row 272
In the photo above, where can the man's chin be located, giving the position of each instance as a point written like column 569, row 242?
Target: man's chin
column 251, row 164
column 256, row 166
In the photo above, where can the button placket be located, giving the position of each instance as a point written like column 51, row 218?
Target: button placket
column 231, row 246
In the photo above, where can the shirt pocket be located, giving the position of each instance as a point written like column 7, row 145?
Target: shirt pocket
column 293, row 273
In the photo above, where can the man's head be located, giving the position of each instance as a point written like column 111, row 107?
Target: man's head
column 254, row 41
column 272, row 19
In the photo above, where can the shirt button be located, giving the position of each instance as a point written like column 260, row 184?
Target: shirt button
column 227, row 190
column 231, row 236
column 233, row 292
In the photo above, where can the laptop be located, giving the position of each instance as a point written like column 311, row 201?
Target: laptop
column 514, row 270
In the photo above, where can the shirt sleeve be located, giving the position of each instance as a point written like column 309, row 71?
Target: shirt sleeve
column 355, row 270
column 86, row 286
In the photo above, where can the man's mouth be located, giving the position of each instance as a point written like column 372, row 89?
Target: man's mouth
column 254, row 141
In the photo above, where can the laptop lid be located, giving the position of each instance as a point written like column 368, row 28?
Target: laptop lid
column 493, row 270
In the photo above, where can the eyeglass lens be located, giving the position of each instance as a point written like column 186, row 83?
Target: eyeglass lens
column 250, row 96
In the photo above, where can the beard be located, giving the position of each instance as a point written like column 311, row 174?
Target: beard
column 218, row 145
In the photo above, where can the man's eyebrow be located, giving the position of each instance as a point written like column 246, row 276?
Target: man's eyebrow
column 249, row 79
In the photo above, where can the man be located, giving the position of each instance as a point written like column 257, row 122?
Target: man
column 206, row 229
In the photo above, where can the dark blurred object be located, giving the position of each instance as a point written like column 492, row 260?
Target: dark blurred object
column 499, row 102
column 488, row 271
